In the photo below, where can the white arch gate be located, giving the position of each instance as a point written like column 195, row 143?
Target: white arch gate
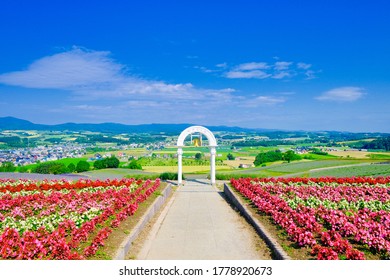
column 212, row 144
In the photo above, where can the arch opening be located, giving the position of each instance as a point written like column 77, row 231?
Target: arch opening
column 212, row 144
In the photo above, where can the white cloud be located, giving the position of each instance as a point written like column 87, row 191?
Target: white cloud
column 263, row 70
column 263, row 100
column 342, row 94
column 282, row 65
column 67, row 70
column 304, row 66
column 97, row 88
column 258, row 74
column 205, row 70
column 222, row 65
column 282, row 75
column 310, row 74
column 94, row 75
column 252, row 66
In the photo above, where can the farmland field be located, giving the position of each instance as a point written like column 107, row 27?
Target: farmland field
column 328, row 218
column 64, row 219
column 354, row 171
column 302, row 168
column 359, row 154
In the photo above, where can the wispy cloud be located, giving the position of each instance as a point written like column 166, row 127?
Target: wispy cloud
column 263, row 70
column 302, row 65
column 282, row 65
column 342, row 94
column 263, row 100
column 236, row 74
column 252, row 66
column 95, row 87
column 282, row 75
column 94, row 74
column 68, row 70
column 222, row 65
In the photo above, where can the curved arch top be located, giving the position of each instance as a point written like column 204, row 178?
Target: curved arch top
column 200, row 129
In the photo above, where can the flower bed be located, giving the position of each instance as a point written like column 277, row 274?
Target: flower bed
column 331, row 216
column 63, row 219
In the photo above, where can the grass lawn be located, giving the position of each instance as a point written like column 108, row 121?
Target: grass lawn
column 65, row 161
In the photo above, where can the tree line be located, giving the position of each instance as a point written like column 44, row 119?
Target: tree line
column 272, row 156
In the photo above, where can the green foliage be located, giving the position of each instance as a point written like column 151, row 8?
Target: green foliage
column 269, row 156
column 290, row 156
column 230, row 156
column 51, row 168
column 22, row 169
column 72, row 167
column 317, row 151
column 99, row 164
column 82, row 166
column 198, row 156
column 134, row 165
column 14, row 141
column 228, row 176
column 272, row 156
column 144, row 176
column 110, row 162
column 262, row 143
column 169, row 176
column 379, row 144
column 7, row 167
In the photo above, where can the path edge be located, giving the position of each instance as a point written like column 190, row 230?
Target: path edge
column 125, row 246
column 278, row 251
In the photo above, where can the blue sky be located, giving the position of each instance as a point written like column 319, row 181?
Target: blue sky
column 295, row 65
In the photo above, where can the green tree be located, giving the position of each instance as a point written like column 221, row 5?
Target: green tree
column 58, row 169
column 7, row 166
column 230, row 156
column 22, row 169
column 290, row 156
column 51, row 168
column 134, row 165
column 99, row 164
column 269, row 156
column 82, row 166
column 198, row 156
column 71, row 167
column 112, row 162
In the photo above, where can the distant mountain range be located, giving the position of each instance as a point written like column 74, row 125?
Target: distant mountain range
column 11, row 123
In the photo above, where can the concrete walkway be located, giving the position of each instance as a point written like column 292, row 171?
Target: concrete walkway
column 199, row 224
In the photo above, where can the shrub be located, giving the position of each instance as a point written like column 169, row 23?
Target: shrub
column 134, row 165
column 169, row 176
column 71, row 167
column 111, row 162
column 7, row 167
column 51, row 168
column 82, row 166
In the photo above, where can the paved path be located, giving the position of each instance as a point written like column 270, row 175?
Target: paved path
column 199, row 224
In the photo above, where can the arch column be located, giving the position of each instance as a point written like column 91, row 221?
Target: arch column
column 212, row 164
column 180, row 166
